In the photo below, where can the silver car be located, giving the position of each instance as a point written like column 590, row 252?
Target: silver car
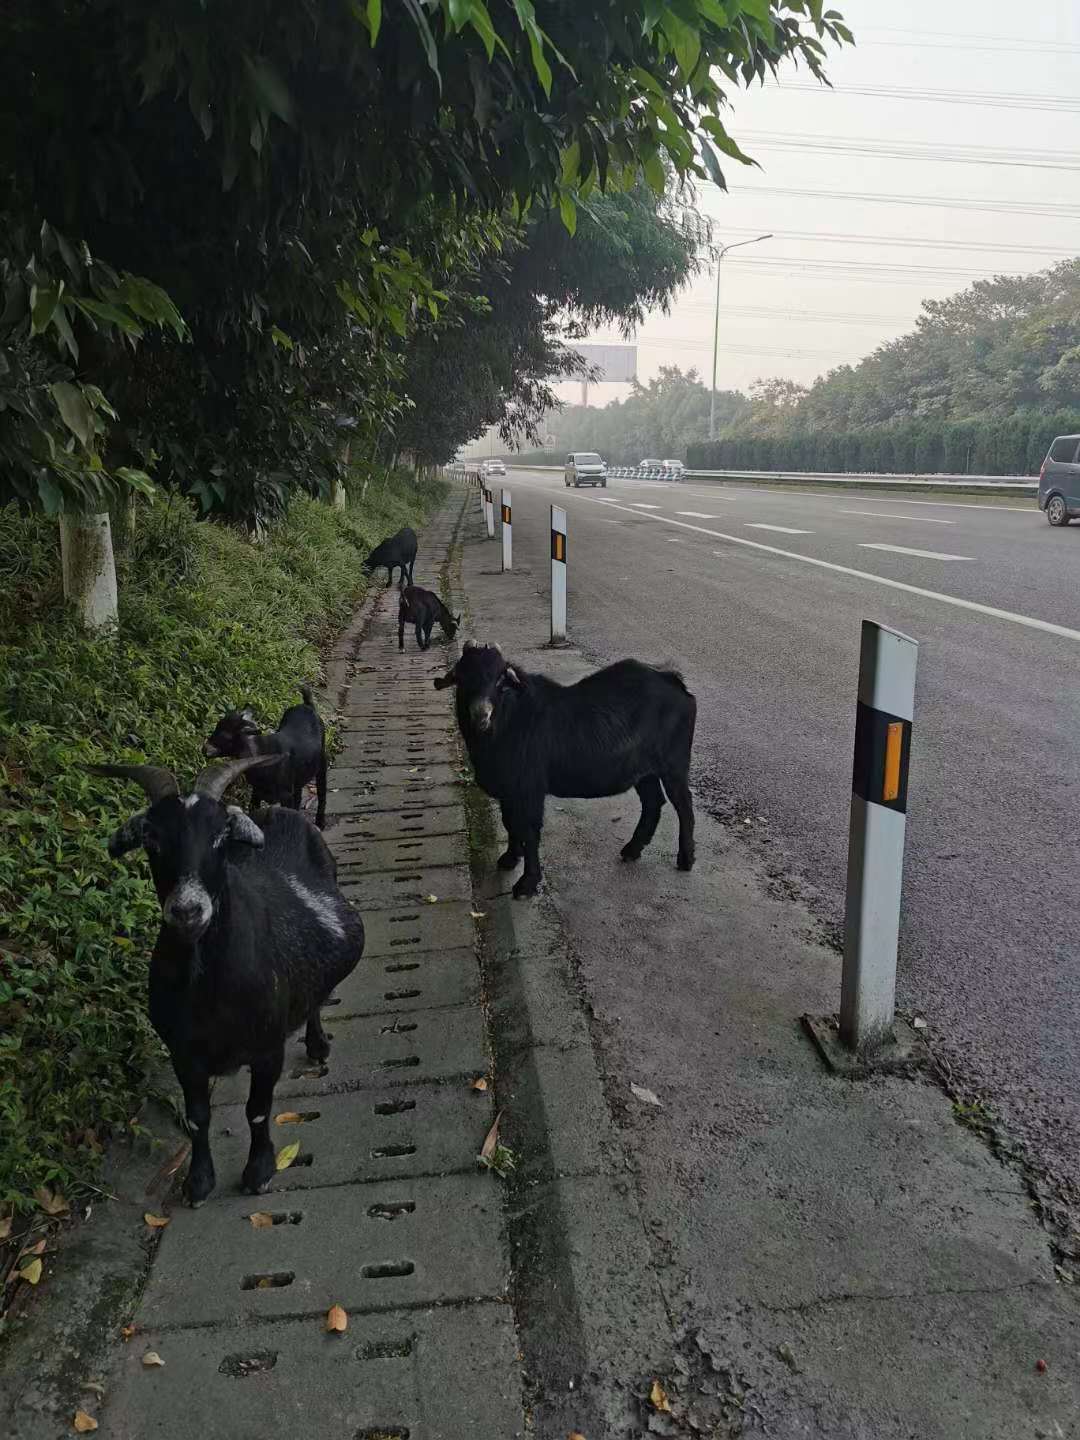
column 584, row 467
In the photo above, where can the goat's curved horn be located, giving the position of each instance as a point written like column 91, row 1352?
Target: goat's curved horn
column 214, row 780
column 158, row 782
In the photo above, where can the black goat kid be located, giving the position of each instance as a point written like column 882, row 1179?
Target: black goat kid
column 423, row 608
column 254, row 936
column 398, row 551
column 528, row 737
column 300, row 741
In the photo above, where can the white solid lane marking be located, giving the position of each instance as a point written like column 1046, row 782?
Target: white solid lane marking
column 637, row 505
column 696, row 514
column 921, row 554
column 891, row 515
column 673, row 539
column 610, row 522
column 783, row 529
column 1028, row 621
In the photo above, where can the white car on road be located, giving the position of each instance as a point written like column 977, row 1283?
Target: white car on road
column 584, row 467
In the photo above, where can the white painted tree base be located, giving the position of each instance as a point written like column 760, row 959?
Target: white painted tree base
column 337, row 495
column 86, row 550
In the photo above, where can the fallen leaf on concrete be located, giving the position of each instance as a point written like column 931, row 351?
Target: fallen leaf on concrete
column 38, row 1249
column 788, row 1356
column 261, row 1220
column 83, row 1423
column 169, row 1169
column 415, row 770
column 478, row 914
column 126, row 1332
column 152, row 1358
column 431, row 899
column 480, row 1084
column 646, row 1095
column 658, row 1397
column 286, row 1155
column 337, row 1321
column 575, row 1435
column 51, row 1201
column 31, row 1273
column 156, row 1222
column 5, row 1227
column 919, row 1023
column 287, row 1117
column 491, row 1139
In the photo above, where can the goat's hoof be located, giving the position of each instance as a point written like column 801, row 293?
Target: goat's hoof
column 196, row 1192
column 685, row 862
column 257, row 1177
column 508, row 860
column 526, row 888
column 630, row 852
column 318, row 1053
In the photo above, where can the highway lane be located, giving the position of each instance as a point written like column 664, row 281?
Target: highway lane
column 768, row 638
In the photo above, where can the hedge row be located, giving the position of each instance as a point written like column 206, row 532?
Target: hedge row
column 997, row 445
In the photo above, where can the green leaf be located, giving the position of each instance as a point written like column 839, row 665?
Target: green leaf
column 74, row 411
column 724, row 141
column 280, row 339
column 426, row 38
column 460, row 12
column 480, row 20
column 568, row 211
column 571, row 163
column 760, row 10
column 269, row 89
column 714, row 11
column 374, row 19
column 137, row 479
column 113, row 314
column 653, row 170
column 712, row 165
column 685, row 41
column 43, row 302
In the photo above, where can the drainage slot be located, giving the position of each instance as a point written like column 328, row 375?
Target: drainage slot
column 237, row 1366
column 394, row 1107
column 405, row 880
column 412, row 940
column 404, row 919
column 391, row 1212
column 397, row 969
column 392, row 1152
column 381, row 1432
column 386, row 1350
column 276, row 1280
column 280, row 1217
column 388, row 1270
column 397, row 1029
column 305, row 1160
column 309, row 1072
column 407, row 845
column 401, row 994
column 334, row 1000
column 404, row 1062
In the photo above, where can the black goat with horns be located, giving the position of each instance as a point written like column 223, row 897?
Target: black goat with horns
column 255, row 935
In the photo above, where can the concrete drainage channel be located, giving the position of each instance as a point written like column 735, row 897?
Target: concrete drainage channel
column 384, row 1211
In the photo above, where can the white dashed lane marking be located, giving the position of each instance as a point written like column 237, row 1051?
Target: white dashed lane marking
column 782, row 529
column 920, row 554
column 639, row 506
column 696, row 514
column 888, row 515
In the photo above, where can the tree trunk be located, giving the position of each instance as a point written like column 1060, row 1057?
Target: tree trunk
column 86, row 551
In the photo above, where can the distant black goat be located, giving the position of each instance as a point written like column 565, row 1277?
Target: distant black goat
column 254, row 936
column 423, row 608
column 300, row 740
column 528, row 737
column 399, row 550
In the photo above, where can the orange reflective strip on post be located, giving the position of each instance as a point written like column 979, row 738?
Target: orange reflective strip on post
column 894, row 750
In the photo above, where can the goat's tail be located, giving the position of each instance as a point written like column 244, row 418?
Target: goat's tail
column 675, row 676
column 309, row 698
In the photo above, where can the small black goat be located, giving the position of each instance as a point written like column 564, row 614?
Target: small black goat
column 528, row 737
column 399, row 550
column 423, row 608
column 254, row 936
column 300, row 741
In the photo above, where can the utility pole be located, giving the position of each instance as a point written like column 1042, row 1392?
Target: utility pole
column 716, row 323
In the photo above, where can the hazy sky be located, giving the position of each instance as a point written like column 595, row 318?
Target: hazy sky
column 843, row 274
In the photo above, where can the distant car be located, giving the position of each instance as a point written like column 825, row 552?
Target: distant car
column 494, row 467
column 584, row 467
column 1059, row 480
column 649, row 464
column 676, row 468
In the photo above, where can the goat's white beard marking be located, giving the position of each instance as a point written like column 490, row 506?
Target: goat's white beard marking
column 188, row 890
column 322, row 908
column 482, row 711
column 190, row 802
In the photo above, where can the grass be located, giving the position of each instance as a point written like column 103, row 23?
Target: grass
column 207, row 620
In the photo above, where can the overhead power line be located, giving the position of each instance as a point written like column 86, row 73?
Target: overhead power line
column 833, row 237
column 990, row 100
column 939, row 154
column 1062, row 210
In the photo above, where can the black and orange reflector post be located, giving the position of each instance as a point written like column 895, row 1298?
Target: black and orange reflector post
column 558, row 575
column 507, row 534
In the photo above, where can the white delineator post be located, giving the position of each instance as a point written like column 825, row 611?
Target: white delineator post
column 558, row 575
column 876, row 836
column 489, row 513
column 86, row 554
column 507, row 533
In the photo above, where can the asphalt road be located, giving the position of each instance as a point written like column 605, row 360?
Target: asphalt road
column 758, row 597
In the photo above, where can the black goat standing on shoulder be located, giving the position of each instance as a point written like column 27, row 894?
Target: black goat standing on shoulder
column 255, row 935
column 300, row 741
column 423, row 608
column 528, row 737
column 398, row 551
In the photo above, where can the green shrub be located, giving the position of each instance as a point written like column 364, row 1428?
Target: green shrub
column 207, row 620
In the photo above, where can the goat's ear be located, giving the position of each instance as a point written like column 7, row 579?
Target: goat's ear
column 443, row 682
column 130, row 835
column 243, row 829
column 511, row 675
column 248, row 714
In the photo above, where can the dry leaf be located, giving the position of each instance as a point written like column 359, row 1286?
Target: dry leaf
column 169, row 1169
column 5, row 1227
column 646, row 1095
column 156, row 1222
column 287, row 1117
column 337, row 1320
column 480, row 1084
column 431, row 899
column 83, row 1423
column 152, row 1358
column 575, row 1435
column 658, row 1397
column 491, row 1140
column 126, row 1332
column 265, row 1283
column 38, row 1249
column 478, row 914
column 51, row 1201
column 287, row 1155
column 31, row 1273
column 260, row 1220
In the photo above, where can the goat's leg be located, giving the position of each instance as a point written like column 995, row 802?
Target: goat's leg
column 200, row 1178
column 261, row 1161
column 401, row 630
column 389, row 576
column 678, row 792
column 529, row 882
column 320, row 791
column 420, row 635
column 652, row 802
column 316, row 1040
column 511, row 858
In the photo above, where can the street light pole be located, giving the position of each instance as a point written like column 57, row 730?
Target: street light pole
column 716, row 323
